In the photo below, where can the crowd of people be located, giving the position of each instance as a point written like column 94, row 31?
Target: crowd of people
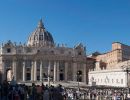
column 107, row 94
column 14, row 91
column 9, row 91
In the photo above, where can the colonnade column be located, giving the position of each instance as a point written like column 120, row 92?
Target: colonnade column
column 32, row 71
column 41, row 72
column 49, row 69
column 57, row 70
column 35, row 70
column 24, row 71
column 84, row 72
column 66, row 71
column 54, row 71
column 14, row 69
column 74, row 71
column 3, row 70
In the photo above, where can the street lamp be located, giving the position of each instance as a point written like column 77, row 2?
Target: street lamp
column 127, row 73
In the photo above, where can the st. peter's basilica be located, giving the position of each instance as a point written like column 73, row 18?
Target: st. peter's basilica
column 41, row 58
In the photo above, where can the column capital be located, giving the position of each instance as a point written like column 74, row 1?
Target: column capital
column 14, row 58
column 23, row 63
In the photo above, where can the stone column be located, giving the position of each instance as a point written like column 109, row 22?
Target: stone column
column 74, row 71
column 97, row 65
column 24, row 71
column 41, row 72
column 84, row 73
column 54, row 71
column 32, row 71
column 35, row 70
column 3, row 70
column 57, row 70
column 14, row 69
column 49, row 69
column 66, row 71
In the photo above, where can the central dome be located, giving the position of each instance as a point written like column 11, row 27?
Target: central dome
column 40, row 37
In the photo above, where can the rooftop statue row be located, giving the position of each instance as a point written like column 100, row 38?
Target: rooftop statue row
column 9, row 43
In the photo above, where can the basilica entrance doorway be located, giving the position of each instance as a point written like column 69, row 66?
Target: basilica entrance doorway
column 61, row 76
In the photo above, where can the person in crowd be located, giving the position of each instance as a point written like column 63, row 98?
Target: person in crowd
column 46, row 95
column 39, row 92
column 5, row 87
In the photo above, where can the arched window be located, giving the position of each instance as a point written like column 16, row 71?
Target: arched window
column 8, row 50
column 40, row 37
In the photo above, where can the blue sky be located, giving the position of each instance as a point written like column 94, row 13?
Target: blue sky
column 95, row 23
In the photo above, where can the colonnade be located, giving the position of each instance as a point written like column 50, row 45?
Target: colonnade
column 55, row 67
column 34, row 71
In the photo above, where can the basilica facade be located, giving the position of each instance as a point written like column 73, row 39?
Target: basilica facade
column 41, row 58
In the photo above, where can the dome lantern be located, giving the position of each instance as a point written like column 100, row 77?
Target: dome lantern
column 40, row 24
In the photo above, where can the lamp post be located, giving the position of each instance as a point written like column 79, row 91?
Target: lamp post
column 127, row 77
column 127, row 72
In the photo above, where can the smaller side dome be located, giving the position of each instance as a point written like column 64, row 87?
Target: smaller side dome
column 40, row 37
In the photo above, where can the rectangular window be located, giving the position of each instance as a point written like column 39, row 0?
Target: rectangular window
column 8, row 50
column 28, row 76
column 28, row 69
column 38, row 77
column 38, row 69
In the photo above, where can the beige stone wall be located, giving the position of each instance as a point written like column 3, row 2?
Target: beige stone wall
column 116, row 45
column 110, row 58
column 124, row 48
column 119, row 53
